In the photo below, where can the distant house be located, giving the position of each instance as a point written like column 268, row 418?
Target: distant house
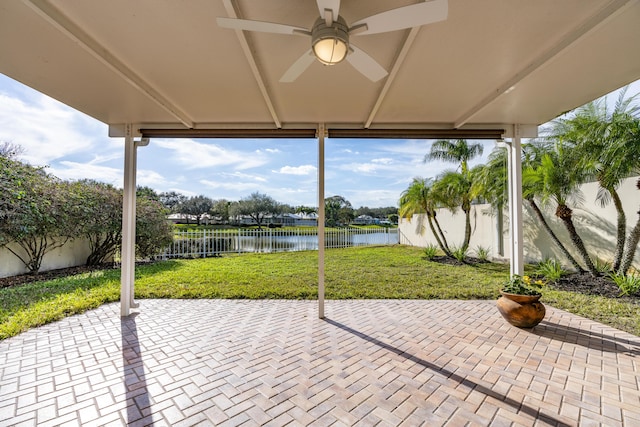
column 179, row 218
column 284, row 220
column 366, row 220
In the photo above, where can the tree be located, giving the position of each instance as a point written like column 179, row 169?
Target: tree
column 98, row 215
column 256, row 206
column 532, row 157
column 418, row 198
column 458, row 151
column 626, row 146
column 9, row 150
column 148, row 192
column 220, row 209
column 36, row 212
column 197, row 206
column 453, row 190
column 172, row 200
column 557, row 178
column 338, row 211
column 305, row 209
column 594, row 129
column 153, row 231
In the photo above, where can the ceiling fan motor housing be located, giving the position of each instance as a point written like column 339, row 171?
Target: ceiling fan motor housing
column 330, row 43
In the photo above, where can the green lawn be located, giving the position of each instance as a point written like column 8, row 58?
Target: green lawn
column 372, row 272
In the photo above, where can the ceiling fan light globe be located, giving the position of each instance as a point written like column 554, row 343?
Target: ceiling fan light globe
column 330, row 44
column 330, row 51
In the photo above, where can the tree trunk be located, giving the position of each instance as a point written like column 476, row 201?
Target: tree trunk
column 435, row 233
column 553, row 236
column 632, row 243
column 631, row 247
column 467, row 228
column 444, row 239
column 621, row 229
column 564, row 213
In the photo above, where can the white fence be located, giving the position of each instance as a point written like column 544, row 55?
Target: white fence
column 206, row 243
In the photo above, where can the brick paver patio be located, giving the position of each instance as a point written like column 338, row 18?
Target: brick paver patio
column 383, row 363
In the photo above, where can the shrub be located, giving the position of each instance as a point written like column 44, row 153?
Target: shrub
column 551, row 270
column 430, row 252
column 459, row 253
column 523, row 285
column 153, row 232
column 482, row 253
column 602, row 266
column 629, row 284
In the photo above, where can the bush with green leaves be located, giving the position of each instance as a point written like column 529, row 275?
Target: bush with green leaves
column 629, row 284
column 482, row 253
column 430, row 252
column 550, row 269
column 36, row 212
column 459, row 253
column 523, row 285
column 153, row 231
column 602, row 266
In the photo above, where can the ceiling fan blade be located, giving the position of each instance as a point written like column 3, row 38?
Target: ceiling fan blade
column 263, row 27
column 365, row 64
column 401, row 18
column 333, row 6
column 298, row 67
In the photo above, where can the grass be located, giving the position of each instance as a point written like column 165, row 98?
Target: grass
column 387, row 272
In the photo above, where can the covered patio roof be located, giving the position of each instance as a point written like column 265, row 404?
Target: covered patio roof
column 153, row 68
column 163, row 64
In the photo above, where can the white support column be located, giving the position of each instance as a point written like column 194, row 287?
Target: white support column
column 128, row 255
column 515, row 203
column 321, row 219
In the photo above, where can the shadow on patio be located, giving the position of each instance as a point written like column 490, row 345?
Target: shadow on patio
column 273, row 362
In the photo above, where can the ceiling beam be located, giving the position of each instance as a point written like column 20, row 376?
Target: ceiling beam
column 257, row 75
column 614, row 7
column 417, row 133
column 406, row 46
column 228, row 133
column 71, row 30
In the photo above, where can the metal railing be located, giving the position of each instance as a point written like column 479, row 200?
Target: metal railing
column 208, row 243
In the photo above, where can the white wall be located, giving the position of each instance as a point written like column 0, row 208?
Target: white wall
column 595, row 224
column 71, row 254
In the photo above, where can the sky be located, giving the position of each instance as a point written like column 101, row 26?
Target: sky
column 74, row 146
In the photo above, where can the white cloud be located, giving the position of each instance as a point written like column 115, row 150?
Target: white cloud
column 198, row 155
column 47, row 129
column 149, row 178
column 231, row 185
column 297, row 170
column 75, row 171
column 372, row 198
column 384, row 161
column 271, row 150
column 240, row 175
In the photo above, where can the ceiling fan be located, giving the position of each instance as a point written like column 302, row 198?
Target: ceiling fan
column 330, row 34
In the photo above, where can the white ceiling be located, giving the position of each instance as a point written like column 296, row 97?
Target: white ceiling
column 167, row 64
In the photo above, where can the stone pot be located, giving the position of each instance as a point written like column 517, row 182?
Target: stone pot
column 523, row 311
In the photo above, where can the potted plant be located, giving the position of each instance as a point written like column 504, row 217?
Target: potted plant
column 519, row 301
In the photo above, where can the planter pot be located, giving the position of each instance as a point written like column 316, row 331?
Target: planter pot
column 523, row 311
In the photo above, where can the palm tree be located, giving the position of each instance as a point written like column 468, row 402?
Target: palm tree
column 557, row 178
column 594, row 129
column 456, row 186
column 455, row 189
column 626, row 146
column 418, row 198
column 532, row 156
column 458, row 151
